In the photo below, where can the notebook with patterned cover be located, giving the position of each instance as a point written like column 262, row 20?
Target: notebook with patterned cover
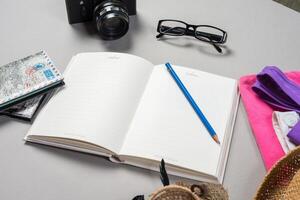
column 26, row 78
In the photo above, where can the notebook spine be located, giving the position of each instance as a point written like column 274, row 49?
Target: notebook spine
column 51, row 64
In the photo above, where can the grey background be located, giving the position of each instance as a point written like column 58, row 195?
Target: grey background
column 261, row 32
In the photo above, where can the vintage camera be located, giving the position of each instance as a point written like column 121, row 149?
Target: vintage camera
column 111, row 17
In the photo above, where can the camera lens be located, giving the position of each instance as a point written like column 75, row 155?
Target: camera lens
column 112, row 19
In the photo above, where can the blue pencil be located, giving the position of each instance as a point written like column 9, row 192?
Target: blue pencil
column 193, row 103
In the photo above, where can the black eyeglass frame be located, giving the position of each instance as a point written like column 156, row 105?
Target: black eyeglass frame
column 209, row 36
column 189, row 32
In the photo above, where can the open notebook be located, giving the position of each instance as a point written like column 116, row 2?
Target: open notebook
column 123, row 107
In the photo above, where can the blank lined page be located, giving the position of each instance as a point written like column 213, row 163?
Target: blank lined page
column 98, row 102
column 166, row 126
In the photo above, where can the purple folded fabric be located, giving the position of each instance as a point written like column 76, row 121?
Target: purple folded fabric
column 277, row 90
column 294, row 134
column 273, row 83
column 270, row 98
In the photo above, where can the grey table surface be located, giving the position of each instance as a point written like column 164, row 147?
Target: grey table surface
column 261, row 32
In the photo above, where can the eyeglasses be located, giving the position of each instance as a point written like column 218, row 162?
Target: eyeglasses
column 206, row 33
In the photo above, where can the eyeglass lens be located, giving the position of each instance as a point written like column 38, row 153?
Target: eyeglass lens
column 172, row 28
column 209, row 34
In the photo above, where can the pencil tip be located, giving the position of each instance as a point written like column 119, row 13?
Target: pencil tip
column 216, row 139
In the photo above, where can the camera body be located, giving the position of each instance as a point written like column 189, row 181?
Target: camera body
column 83, row 10
column 111, row 17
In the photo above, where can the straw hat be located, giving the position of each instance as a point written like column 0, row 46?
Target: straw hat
column 174, row 192
column 283, row 180
column 186, row 191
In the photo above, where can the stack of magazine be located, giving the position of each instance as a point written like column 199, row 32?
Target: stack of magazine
column 26, row 84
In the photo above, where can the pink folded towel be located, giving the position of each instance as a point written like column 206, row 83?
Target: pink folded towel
column 260, row 119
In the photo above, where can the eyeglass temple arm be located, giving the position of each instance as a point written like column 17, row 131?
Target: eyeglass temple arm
column 214, row 45
column 217, row 47
column 159, row 35
column 175, row 30
column 191, row 33
column 210, row 36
